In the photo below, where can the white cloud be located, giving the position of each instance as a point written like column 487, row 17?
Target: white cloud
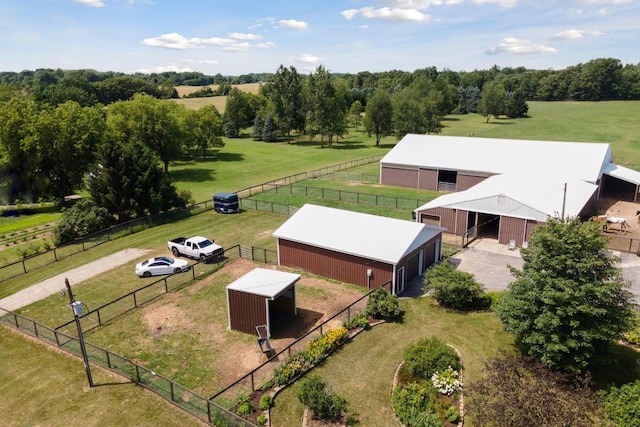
column 237, row 47
column 244, row 36
column 162, row 69
column 200, row 61
column 387, row 13
column 605, row 1
column 266, row 45
column 179, row 42
column 502, row 3
column 309, row 59
column 575, row 34
column 513, row 46
column 292, row 23
column 91, row 3
column 420, row 4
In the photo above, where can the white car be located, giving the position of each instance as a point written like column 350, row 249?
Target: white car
column 161, row 265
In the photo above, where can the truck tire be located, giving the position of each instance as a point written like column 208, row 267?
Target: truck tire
column 175, row 251
column 203, row 257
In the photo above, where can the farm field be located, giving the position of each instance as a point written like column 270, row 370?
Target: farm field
column 242, row 163
column 219, row 102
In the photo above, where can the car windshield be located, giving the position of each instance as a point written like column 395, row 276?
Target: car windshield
column 165, row 259
column 205, row 243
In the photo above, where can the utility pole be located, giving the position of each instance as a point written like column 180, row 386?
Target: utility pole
column 76, row 306
column 564, row 199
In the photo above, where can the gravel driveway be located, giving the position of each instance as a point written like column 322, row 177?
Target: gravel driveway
column 55, row 284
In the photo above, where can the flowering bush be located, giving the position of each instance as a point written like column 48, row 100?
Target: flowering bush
column 447, row 382
column 324, row 344
column 291, row 368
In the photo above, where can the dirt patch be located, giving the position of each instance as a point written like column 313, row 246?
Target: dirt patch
column 623, row 209
column 232, row 353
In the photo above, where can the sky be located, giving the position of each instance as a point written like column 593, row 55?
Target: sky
column 235, row 37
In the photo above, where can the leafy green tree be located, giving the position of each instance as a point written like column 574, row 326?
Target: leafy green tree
column 378, row 119
column 123, row 88
column 326, row 103
column 453, row 288
column 153, row 122
column 433, row 117
column 286, row 98
column 408, row 115
column 569, row 301
column 128, row 182
column 203, row 128
column 517, row 106
column 492, row 101
column 518, row 391
column 355, row 112
column 238, row 110
column 81, row 219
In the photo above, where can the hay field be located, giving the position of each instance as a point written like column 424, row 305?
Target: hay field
column 219, row 102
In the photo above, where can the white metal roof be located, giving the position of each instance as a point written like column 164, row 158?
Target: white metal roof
column 581, row 160
column 521, row 195
column 623, row 173
column 370, row 236
column 264, row 282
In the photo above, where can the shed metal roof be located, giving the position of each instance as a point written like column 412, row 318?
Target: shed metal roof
column 623, row 173
column 369, row 236
column 580, row 160
column 521, row 196
column 264, row 282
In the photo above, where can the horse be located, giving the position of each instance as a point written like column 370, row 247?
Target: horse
column 618, row 220
column 606, row 220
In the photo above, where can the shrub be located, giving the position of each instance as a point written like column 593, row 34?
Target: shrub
column 383, row 305
column 313, row 393
column 358, row 321
column 447, row 382
column 453, row 288
column 266, row 401
column 291, row 368
column 452, row 415
column 428, row 356
column 83, row 218
column 325, row 344
column 261, row 420
column 632, row 336
column 623, row 404
column 412, row 401
column 245, row 407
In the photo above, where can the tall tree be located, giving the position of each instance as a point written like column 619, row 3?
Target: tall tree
column 355, row 112
column 517, row 106
column 128, row 182
column 569, row 301
column 154, row 123
column 203, row 128
column 432, row 112
column 492, row 101
column 286, row 97
column 326, row 105
column 379, row 115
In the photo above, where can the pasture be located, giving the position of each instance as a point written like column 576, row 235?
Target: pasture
column 218, row 101
column 240, row 164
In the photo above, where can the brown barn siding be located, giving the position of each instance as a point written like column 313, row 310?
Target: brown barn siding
column 447, row 217
column 587, row 210
column 511, row 228
column 336, row 265
column 462, row 219
column 390, row 175
column 246, row 311
column 531, row 225
column 465, row 182
column 428, row 179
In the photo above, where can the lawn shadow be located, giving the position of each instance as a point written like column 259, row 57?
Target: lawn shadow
column 193, row 175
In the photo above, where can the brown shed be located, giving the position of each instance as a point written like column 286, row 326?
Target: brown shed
column 255, row 297
column 366, row 250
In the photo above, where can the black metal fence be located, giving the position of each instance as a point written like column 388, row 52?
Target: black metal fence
column 254, row 379
column 199, row 406
column 36, row 261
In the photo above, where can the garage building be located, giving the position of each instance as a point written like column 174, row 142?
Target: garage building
column 366, row 250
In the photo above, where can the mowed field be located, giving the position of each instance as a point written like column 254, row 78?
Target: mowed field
column 218, row 101
column 31, row 372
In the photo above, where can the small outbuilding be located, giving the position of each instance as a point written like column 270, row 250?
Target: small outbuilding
column 353, row 247
column 258, row 296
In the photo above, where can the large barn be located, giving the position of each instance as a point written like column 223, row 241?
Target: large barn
column 503, row 188
column 362, row 249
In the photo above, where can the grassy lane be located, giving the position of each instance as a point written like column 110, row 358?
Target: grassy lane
column 362, row 371
column 42, row 386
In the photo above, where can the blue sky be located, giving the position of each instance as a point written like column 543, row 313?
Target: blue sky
column 234, row 37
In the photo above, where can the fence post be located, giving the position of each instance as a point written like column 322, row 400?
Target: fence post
column 24, row 266
column 55, row 254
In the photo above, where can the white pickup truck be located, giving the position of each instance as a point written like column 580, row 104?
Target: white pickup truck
column 196, row 247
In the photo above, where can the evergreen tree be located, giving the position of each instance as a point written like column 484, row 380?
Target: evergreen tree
column 517, row 105
column 269, row 129
column 257, row 128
